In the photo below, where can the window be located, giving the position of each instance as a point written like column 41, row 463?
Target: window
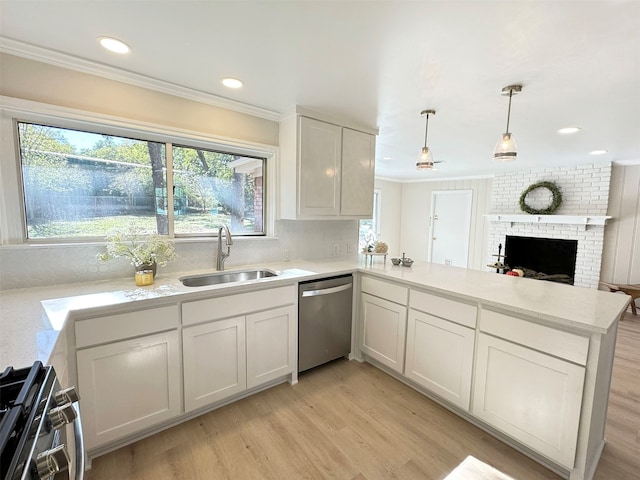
column 80, row 184
column 369, row 231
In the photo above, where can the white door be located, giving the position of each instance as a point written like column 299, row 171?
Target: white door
column 358, row 168
column 320, row 168
column 440, row 356
column 272, row 339
column 214, row 362
column 128, row 386
column 450, row 227
column 531, row 396
column 384, row 327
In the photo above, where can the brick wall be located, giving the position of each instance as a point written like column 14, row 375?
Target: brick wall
column 585, row 191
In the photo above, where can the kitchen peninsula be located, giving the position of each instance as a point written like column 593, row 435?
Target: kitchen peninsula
column 497, row 326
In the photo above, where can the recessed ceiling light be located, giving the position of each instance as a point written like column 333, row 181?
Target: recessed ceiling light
column 231, row 82
column 568, row 130
column 386, row 158
column 598, row 152
column 114, row 45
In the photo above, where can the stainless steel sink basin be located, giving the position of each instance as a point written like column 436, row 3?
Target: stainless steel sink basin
column 226, row 277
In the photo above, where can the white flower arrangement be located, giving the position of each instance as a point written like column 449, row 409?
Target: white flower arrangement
column 140, row 248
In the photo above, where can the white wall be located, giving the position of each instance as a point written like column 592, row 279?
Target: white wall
column 621, row 256
column 390, row 214
column 416, row 209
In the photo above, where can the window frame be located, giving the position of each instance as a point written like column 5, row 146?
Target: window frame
column 13, row 110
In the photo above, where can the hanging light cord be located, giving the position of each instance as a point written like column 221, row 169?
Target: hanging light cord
column 426, row 130
column 509, row 110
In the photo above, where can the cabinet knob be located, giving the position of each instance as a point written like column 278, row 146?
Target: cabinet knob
column 434, row 238
column 53, row 461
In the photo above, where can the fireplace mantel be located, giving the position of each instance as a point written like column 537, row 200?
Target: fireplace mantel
column 579, row 220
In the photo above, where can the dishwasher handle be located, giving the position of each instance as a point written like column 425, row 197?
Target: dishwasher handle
column 327, row 291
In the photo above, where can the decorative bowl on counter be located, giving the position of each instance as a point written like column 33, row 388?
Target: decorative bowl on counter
column 396, row 261
column 407, row 262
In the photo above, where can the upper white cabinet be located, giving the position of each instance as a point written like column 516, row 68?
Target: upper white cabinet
column 326, row 170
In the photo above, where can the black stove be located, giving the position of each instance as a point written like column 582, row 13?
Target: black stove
column 34, row 416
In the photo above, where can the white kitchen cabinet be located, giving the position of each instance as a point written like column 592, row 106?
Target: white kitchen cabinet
column 214, row 358
column 326, row 170
column 128, row 386
column 358, row 169
column 440, row 356
column 271, row 344
column 319, row 168
column 383, row 326
column 260, row 335
column 531, row 396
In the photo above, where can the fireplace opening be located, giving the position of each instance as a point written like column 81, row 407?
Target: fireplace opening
column 549, row 259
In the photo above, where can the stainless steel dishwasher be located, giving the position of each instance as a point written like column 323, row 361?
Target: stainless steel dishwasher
column 324, row 320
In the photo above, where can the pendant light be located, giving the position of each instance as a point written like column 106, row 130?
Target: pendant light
column 506, row 148
column 425, row 158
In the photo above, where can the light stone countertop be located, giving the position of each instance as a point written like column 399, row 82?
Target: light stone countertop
column 32, row 318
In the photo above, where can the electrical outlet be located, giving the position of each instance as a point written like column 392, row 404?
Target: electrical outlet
column 335, row 249
column 286, row 255
column 447, row 261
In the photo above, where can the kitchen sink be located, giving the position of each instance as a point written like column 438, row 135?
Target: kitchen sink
column 226, row 277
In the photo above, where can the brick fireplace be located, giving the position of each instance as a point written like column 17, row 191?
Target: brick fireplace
column 585, row 191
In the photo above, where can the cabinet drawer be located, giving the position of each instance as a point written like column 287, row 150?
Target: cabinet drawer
column 569, row 346
column 234, row 305
column 457, row 312
column 389, row 291
column 125, row 325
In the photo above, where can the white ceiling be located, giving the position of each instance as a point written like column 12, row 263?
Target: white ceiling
column 380, row 63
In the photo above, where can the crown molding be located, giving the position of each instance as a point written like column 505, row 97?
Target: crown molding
column 64, row 60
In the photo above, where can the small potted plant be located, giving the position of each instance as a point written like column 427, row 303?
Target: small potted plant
column 145, row 251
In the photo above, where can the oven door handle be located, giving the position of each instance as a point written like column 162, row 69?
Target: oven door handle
column 79, row 444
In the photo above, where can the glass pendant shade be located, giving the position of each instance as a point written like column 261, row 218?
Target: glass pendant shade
column 506, row 149
column 425, row 159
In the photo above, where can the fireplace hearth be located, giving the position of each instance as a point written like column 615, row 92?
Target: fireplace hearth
column 549, row 259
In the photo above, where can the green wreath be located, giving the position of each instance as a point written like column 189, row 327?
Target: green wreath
column 551, row 208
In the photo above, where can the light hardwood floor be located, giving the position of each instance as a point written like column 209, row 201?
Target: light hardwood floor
column 351, row 421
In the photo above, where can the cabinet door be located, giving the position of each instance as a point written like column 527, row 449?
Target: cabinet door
column 383, row 330
column 440, row 356
column 319, row 168
column 128, row 386
column 214, row 362
column 271, row 345
column 533, row 397
column 358, row 168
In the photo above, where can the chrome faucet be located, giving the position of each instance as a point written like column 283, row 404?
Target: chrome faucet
column 222, row 256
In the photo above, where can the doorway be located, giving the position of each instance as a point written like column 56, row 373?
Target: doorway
column 450, row 227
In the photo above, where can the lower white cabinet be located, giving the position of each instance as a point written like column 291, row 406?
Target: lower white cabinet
column 440, row 356
column 384, row 325
column 271, row 344
column 531, row 396
column 128, row 386
column 214, row 356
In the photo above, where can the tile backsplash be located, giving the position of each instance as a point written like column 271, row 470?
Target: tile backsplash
column 24, row 266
